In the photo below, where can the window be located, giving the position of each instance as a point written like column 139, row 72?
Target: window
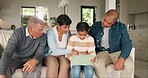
column 88, row 14
column 27, row 12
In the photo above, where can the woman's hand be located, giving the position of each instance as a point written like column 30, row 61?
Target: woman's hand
column 74, row 52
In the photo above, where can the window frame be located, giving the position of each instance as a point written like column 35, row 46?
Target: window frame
column 26, row 15
column 90, row 7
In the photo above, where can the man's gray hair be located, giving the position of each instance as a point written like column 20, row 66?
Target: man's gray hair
column 34, row 21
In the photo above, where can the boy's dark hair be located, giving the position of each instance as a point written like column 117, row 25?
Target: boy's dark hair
column 63, row 19
column 82, row 26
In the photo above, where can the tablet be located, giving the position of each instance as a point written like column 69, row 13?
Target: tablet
column 81, row 59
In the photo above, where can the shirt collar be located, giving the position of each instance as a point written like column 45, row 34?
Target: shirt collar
column 27, row 34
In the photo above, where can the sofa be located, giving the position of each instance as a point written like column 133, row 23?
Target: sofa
column 18, row 72
column 110, row 69
column 1, row 50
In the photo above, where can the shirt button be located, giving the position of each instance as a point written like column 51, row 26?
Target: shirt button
column 101, row 33
column 103, row 49
column 97, row 40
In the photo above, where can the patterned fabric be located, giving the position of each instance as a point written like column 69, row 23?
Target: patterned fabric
column 86, row 45
column 81, row 45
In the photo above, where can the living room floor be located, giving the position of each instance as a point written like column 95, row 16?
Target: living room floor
column 141, row 68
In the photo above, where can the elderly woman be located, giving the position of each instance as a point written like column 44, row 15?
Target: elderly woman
column 57, row 64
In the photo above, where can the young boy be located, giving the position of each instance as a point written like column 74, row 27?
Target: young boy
column 84, row 45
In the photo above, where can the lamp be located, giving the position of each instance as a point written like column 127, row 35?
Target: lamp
column 63, row 3
column 1, row 23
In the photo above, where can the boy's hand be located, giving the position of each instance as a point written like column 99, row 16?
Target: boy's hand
column 94, row 59
column 83, row 53
column 89, row 53
column 74, row 52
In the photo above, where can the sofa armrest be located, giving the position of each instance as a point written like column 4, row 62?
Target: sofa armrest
column 132, row 54
column 113, row 73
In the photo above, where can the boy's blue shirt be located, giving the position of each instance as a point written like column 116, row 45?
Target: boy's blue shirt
column 118, row 38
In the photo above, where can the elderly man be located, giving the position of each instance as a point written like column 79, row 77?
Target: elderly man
column 113, row 45
column 24, row 50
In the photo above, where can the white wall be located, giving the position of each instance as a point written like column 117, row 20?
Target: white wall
column 125, row 17
column 12, row 15
column 74, row 9
column 141, row 19
column 110, row 4
column 124, row 11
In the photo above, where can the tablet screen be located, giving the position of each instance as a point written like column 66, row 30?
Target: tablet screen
column 82, row 59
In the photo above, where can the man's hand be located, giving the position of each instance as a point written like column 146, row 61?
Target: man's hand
column 119, row 64
column 3, row 76
column 30, row 65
